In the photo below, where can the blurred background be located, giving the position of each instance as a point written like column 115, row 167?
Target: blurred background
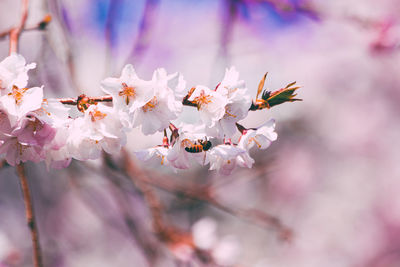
column 332, row 177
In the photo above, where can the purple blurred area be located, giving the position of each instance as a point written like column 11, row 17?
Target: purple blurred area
column 333, row 175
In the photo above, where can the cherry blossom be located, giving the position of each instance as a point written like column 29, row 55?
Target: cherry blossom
column 129, row 93
column 37, row 129
column 262, row 136
column 211, row 104
column 20, row 101
column 225, row 158
column 156, row 114
column 158, row 153
column 57, row 115
column 26, row 140
column 98, row 129
column 239, row 102
column 179, row 157
column 14, row 72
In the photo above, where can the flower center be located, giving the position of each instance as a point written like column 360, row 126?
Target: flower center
column 97, row 115
column 253, row 139
column 34, row 125
column 21, row 148
column 18, row 94
column 228, row 113
column 42, row 108
column 128, row 92
column 202, row 99
column 162, row 159
column 150, row 105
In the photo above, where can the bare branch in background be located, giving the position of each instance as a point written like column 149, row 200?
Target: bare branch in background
column 15, row 32
column 30, row 216
column 205, row 194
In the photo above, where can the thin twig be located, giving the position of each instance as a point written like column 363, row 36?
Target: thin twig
column 37, row 27
column 30, row 216
column 14, row 33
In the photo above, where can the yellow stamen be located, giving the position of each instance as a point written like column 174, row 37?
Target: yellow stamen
column 97, row 115
column 21, row 148
column 150, row 105
column 202, row 99
column 127, row 91
column 18, row 94
column 230, row 92
column 227, row 114
column 255, row 141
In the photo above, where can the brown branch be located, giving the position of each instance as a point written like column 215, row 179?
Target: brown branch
column 30, row 216
column 152, row 200
column 15, row 32
column 74, row 101
column 206, row 194
column 37, row 27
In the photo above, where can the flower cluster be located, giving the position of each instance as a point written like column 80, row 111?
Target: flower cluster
column 36, row 129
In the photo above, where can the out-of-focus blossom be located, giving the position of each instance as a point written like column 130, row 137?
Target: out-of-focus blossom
column 224, row 251
column 14, row 72
column 204, row 233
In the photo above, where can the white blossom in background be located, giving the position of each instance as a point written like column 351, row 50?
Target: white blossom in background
column 204, row 233
column 156, row 114
column 239, row 102
column 262, row 137
column 227, row 251
column 211, row 104
column 6, row 247
column 14, row 72
column 129, row 93
column 224, row 251
column 98, row 129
